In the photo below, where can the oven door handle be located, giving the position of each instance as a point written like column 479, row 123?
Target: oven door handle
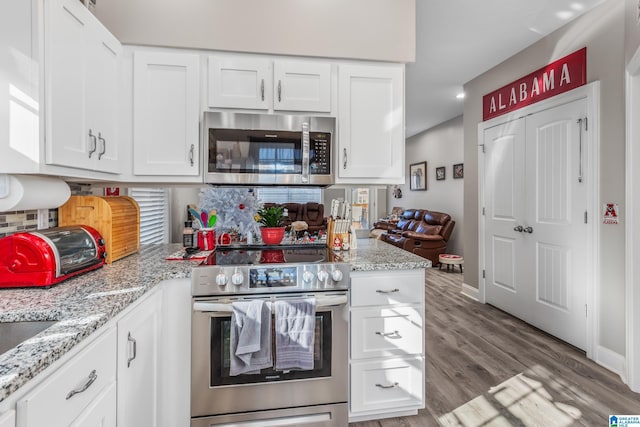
column 226, row 307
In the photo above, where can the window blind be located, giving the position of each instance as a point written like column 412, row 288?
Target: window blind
column 154, row 214
column 289, row 194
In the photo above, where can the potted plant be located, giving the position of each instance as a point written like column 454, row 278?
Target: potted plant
column 271, row 220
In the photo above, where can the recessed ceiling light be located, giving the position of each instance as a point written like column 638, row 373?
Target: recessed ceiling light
column 565, row 15
column 460, row 95
column 577, row 6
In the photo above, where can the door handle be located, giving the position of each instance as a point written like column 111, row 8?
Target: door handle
column 95, row 143
column 191, row 154
column 279, row 90
column 344, row 162
column 93, row 376
column 528, row 230
column 262, row 89
column 135, row 349
column 104, row 146
column 519, row 229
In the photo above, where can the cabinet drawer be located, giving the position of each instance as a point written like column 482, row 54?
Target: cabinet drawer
column 386, row 331
column 51, row 405
column 384, row 288
column 384, row 384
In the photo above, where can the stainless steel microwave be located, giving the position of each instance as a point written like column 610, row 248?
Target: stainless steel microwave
column 268, row 149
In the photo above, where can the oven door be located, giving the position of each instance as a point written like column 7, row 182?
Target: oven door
column 215, row 392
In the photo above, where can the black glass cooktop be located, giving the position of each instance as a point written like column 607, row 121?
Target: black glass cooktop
column 271, row 254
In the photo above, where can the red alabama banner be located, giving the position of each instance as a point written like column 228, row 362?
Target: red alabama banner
column 560, row 76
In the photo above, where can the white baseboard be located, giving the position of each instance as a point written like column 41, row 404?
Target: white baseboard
column 612, row 361
column 470, row 292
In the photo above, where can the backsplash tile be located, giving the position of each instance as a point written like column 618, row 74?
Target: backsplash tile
column 11, row 222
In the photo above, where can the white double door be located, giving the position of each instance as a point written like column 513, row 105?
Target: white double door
column 535, row 224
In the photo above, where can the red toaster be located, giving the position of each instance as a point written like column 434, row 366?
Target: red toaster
column 47, row 257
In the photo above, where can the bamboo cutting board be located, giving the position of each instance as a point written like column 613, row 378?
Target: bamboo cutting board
column 117, row 218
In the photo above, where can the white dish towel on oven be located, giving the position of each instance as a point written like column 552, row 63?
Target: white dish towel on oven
column 250, row 341
column 295, row 333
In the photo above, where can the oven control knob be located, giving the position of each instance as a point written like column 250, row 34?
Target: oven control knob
column 336, row 275
column 221, row 279
column 323, row 275
column 307, row 276
column 237, row 278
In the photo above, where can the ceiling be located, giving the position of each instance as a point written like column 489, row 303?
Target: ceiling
column 457, row 40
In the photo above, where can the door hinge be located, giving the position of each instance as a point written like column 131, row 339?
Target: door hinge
column 483, row 274
column 585, row 217
column 483, row 211
column 482, row 145
column 586, row 124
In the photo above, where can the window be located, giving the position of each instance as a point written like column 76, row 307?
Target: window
column 154, row 214
column 289, row 194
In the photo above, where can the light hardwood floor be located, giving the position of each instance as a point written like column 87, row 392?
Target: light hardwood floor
column 487, row 368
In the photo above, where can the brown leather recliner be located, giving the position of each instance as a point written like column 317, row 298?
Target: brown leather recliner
column 314, row 217
column 423, row 232
column 312, row 213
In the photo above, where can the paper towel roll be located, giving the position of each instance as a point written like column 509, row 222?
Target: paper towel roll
column 28, row 192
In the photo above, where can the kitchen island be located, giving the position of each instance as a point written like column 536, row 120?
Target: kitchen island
column 82, row 305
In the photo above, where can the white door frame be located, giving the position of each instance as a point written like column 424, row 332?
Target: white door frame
column 591, row 138
column 632, row 230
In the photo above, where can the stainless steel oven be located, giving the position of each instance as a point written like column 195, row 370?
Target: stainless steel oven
column 312, row 397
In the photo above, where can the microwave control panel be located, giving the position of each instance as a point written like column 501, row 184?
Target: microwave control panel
column 320, row 153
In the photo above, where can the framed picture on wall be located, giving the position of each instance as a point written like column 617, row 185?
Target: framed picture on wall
column 458, row 171
column 418, row 176
column 440, row 173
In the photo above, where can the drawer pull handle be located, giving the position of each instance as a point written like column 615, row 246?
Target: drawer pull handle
column 394, row 385
column 92, row 377
column 135, row 349
column 392, row 291
column 388, row 334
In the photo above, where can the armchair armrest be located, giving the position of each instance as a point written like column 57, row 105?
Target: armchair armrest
column 422, row 237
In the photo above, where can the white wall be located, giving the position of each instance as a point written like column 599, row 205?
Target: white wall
column 441, row 145
column 364, row 29
column 601, row 30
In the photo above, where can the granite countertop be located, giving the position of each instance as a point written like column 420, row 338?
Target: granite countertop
column 374, row 254
column 83, row 304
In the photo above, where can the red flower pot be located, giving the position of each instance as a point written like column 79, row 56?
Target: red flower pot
column 272, row 235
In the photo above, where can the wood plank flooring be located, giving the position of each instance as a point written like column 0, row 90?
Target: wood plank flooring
column 487, row 368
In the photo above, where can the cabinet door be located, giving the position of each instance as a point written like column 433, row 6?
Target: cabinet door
column 101, row 411
column 166, row 114
column 138, row 352
column 380, row 385
column 65, row 395
column 102, row 99
column 239, row 82
column 371, row 123
column 302, row 86
column 81, row 86
column 19, row 99
column 8, row 419
column 381, row 332
column 68, row 142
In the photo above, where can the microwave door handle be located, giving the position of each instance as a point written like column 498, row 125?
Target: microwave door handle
column 305, row 153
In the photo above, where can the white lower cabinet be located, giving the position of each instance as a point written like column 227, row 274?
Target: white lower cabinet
column 99, row 413
column 386, row 342
column 76, row 391
column 8, row 419
column 138, row 363
column 387, row 384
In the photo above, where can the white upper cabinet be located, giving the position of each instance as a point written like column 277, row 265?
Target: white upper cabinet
column 8, row 419
column 302, row 86
column 370, row 124
column 81, row 87
column 166, row 114
column 258, row 83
